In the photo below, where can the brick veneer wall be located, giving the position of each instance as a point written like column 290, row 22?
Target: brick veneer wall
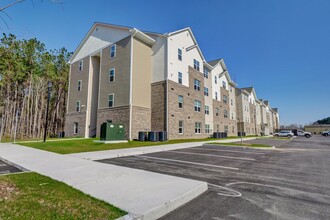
column 70, row 119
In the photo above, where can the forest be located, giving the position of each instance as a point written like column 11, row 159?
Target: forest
column 26, row 67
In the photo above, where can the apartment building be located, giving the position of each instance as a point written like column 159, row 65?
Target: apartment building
column 150, row 81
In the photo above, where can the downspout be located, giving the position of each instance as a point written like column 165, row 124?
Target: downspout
column 167, row 113
column 133, row 33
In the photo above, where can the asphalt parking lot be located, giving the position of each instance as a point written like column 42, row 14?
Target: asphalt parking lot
column 6, row 168
column 289, row 182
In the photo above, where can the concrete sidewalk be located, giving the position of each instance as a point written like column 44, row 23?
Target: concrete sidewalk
column 145, row 195
column 107, row 154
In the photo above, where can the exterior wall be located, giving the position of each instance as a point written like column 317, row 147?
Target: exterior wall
column 317, row 128
column 141, row 120
column 159, row 59
column 187, row 114
column 118, row 115
column 182, row 41
column 100, row 38
column 216, row 86
column 70, row 119
column 74, row 94
column 141, row 76
column 121, row 86
column 158, row 106
column 209, row 101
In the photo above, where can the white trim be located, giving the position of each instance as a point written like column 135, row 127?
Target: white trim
column 79, row 106
column 166, row 72
column 115, row 51
column 113, row 100
column 131, row 89
column 67, row 104
column 78, row 85
column 74, row 127
column 81, row 62
column 100, row 73
column 114, row 75
column 89, row 97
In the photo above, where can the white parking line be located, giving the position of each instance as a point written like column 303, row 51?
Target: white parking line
column 230, row 192
column 212, row 155
column 188, row 162
column 232, row 151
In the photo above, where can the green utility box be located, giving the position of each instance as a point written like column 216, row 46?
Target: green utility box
column 112, row 132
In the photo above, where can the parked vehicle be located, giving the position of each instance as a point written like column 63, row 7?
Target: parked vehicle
column 283, row 134
column 325, row 133
column 304, row 133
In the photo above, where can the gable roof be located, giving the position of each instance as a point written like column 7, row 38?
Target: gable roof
column 142, row 35
column 251, row 90
column 214, row 62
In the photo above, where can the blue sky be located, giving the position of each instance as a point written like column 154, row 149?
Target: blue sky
column 281, row 47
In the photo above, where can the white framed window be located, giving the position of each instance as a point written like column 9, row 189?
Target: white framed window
column 231, row 102
column 179, row 54
column 225, row 113
column 198, row 126
column 206, row 91
column 180, row 101
column 206, row 73
column 81, row 66
column 112, row 75
column 207, row 110
column 197, row 85
column 224, row 84
column 207, row 129
column 196, row 65
column 75, row 128
column 179, row 77
column 215, row 80
column 180, row 127
column 113, row 51
column 111, row 100
column 225, row 99
column 226, row 129
column 231, row 88
column 217, row 111
column 79, row 84
column 197, row 105
column 216, row 95
column 78, row 106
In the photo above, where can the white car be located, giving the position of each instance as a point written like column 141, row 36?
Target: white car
column 304, row 133
column 326, row 133
column 284, row 134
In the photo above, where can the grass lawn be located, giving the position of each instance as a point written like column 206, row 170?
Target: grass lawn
column 244, row 144
column 87, row 145
column 33, row 196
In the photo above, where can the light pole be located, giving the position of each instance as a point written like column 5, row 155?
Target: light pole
column 49, row 85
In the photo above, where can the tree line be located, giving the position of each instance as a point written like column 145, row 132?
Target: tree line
column 26, row 67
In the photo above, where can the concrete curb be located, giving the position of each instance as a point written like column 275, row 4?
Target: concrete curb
column 108, row 154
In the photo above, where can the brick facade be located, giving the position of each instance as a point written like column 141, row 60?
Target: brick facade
column 141, row 120
column 80, row 118
column 158, row 106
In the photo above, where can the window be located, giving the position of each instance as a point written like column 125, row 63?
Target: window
column 180, row 77
column 231, row 88
column 232, row 116
column 224, row 99
column 79, row 85
column 224, row 84
column 215, row 80
column 216, row 95
column 217, row 111
column 225, row 113
column 197, row 106
column 180, row 127
column 198, row 127
column 180, row 101
column 196, row 65
column 206, row 91
column 75, row 128
column 207, row 129
column 112, row 73
column 78, row 106
column 226, row 129
column 231, row 102
column 217, row 128
column 179, row 54
column 207, row 110
column 81, row 65
column 206, row 73
column 233, row 129
column 197, row 85
column 111, row 100
column 113, row 51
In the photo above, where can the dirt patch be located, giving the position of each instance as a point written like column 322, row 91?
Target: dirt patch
column 8, row 190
